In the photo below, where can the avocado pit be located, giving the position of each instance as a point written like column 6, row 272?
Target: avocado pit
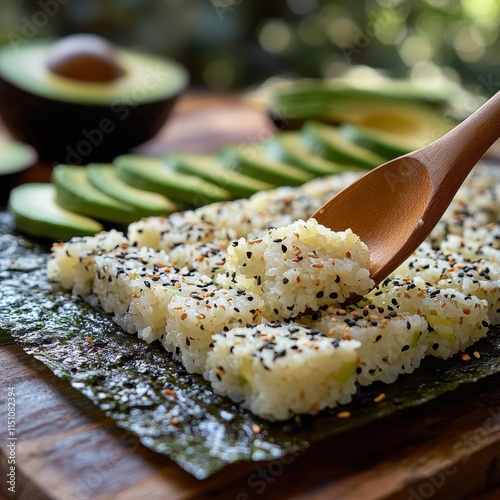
column 84, row 57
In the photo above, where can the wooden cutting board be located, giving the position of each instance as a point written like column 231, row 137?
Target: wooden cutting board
column 67, row 449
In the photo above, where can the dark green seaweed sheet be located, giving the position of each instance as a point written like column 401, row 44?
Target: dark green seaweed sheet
column 127, row 377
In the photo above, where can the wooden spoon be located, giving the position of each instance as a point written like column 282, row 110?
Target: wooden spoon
column 394, row 207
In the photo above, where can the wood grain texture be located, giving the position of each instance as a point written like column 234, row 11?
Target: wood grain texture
column 68, row 449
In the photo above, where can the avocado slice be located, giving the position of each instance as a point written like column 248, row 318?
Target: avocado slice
column 74, row 192
column 382, row 143
column 152, row 174
column 36, row 213
column 254, row 162
column 209, row 167
column 90, row 121
column 327, row 141
column 104, row 177
column 15, row 158
column 288, row 147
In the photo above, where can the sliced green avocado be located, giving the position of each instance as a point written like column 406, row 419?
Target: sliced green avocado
column 36, row 213
column 255, row 163
column 15, row 157
column 327, row 141
column 75, row 192
column 380, row 142
column 152, row 174
column 211, row 169
column 105, row 178
column 288, row 147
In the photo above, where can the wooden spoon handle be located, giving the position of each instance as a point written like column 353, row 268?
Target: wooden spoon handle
column 455, row 154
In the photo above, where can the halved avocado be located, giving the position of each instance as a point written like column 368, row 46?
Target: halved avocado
column 405, row 119
column 288, row 147
column 152, row 174
column 74, row 192
column 210, row 168
column 75, row 121
column 253, row 161
column 105, row 178
column 327, row 141
column 36, row 213
column 15, row 157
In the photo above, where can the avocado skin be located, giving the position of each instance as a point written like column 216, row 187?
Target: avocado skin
column 78, row 134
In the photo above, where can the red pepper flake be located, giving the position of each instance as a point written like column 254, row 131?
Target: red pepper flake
column 256, row 429
column 348, row 255
column 466, row 310
column 379, row 398
column 184, row 316
column 89, row 341
column 170, row 392
column 465, row 357
column 319, row 265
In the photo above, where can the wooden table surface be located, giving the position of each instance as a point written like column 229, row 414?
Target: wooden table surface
column 68, row 449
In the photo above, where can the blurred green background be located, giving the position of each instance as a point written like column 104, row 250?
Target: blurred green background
column 232, row 44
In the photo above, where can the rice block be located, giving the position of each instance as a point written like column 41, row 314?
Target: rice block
column 136, row 287
column 455, row 320
column 195, row 317
column 298, row 267
column 205, row 258
column 480, row 278
column 391, row 342
column 71, row 264
column 278, row 370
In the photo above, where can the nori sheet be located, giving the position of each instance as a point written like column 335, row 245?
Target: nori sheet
column 127, row 378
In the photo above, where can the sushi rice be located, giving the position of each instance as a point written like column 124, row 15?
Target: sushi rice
column 224, row 288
